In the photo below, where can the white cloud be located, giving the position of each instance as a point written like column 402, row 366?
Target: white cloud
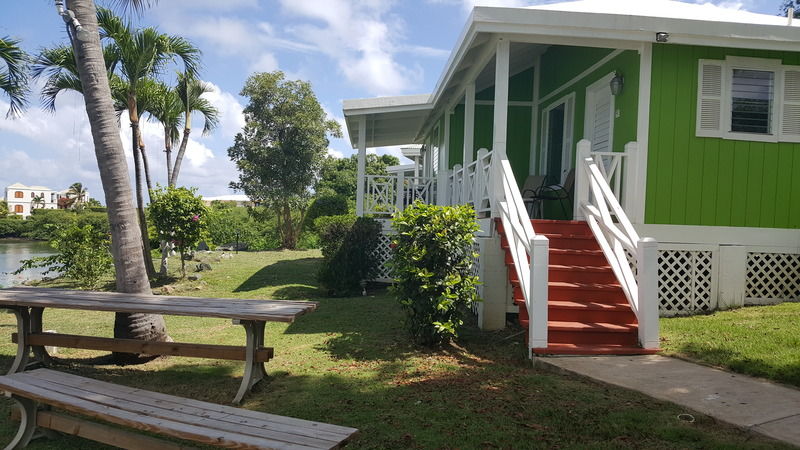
column 361, row 37
column 231, row 117
column 335, row 153
column 266, row 62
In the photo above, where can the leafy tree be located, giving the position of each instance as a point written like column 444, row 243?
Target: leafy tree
column 339, row 175
column 281, row 148
column 4, row 211
column 180, row 216
column 82, row 254
column 790, row 4
column 93, row 203
column 325, row 205
column 14, row 78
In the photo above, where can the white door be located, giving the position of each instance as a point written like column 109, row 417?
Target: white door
column 599, row 124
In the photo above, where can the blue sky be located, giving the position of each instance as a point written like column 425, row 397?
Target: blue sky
column 345, row 48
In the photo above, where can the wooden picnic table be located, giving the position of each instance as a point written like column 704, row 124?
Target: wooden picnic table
column 28, row 305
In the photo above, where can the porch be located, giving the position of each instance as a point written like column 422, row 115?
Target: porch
column 492, row 99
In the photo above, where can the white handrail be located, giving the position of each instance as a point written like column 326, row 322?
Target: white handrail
column 529, row 251
column 598, row 204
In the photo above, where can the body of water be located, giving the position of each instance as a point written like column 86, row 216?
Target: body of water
column 12, row 252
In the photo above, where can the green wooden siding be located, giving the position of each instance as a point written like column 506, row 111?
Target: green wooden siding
column 456, row 144
column 560, row 64
column 711, row 181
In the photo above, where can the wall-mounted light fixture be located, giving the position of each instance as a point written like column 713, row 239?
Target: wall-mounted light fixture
column 616, row 83
column 662, row 36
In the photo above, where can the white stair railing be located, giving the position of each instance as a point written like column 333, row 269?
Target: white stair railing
column 528, row 250
column 385, row 194
column 598, row 204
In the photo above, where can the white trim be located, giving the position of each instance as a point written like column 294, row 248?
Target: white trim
column 362, row 164
column 714, row 235
column 510, row 103
column 469, row 124
column 532, row 162
column 588, row 111
column 566, row 143
column 638, row 196
column 501, row 75
column 581, row 75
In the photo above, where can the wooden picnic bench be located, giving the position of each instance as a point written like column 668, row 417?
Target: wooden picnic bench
column 28, row 305
column 161, row 414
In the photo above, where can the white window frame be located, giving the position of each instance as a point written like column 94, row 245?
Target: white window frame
column 739, row 62
column 767, row 65
column 566, row 147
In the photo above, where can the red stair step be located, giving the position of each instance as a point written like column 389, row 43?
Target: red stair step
column 589, row 312
column 564, row 241
column 596, row 333
column 584, row 349
column 561, row 226
column 601, row 293
column 577, row 257
column 581, row 274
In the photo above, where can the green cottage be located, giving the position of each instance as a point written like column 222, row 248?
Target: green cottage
column 625, row 159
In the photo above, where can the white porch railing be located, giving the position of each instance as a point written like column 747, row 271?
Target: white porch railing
column 471, row 184
column 528, row 250
column 598, row 204
column 385, row 194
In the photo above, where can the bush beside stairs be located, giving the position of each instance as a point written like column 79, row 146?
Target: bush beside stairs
column 587, row 311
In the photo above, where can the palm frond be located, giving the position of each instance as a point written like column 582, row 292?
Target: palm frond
column 14, row 78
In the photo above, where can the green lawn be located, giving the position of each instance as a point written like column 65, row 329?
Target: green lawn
column 763, row 341
column 350, row 363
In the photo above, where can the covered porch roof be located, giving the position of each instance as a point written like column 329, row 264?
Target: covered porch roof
column 388, row 120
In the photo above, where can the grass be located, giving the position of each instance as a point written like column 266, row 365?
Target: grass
column 762, row 341
column 350, row 363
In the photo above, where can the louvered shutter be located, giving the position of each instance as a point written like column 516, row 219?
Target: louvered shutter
column 790, row 117
column 709, row 98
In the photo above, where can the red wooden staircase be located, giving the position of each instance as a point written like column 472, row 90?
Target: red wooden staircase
column 588, row 313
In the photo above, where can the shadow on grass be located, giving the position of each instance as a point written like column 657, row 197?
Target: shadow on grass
column 286, row 272
column 787, row 373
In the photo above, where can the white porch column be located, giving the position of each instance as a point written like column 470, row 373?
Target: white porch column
column 469, row 123
column 362, row 165
column 501, row 97
column 636, row 213
column 442, row 189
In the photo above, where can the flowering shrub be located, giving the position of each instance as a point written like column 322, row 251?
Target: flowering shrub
column 179, row 215
column 432, row 261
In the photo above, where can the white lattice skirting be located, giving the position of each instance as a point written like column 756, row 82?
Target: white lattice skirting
column 772, row 277
column 384, row 254
column 685, row 282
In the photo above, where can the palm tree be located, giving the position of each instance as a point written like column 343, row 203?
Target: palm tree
column 131, row 275
column 143, row 53
column 190, row 91
column 13, row 79
column 37, row 202
column 77, row 193
column 166, row 108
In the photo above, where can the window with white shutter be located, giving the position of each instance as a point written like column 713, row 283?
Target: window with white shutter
column 749, row 99
column 790, row 120
column 709, row 98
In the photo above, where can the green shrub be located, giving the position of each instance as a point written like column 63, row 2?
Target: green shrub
column 432, row 262
column 348, row 246
column 82, row 254
column 325, row 205
column 12, row 226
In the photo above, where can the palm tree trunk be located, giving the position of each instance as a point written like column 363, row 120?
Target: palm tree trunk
column 168, row 151
column 137, row 170
column 131, row 274
column 289, row 238
column 179, row 157
column 146, row 168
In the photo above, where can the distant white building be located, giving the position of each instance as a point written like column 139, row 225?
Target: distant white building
column 239, row 199
column 22, row 199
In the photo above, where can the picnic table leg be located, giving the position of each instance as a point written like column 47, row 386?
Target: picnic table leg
column 27, row 424
column 253, row 370
column 39, row 351
column 23, row 349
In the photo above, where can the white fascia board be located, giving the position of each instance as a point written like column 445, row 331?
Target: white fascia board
column 637, row 28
